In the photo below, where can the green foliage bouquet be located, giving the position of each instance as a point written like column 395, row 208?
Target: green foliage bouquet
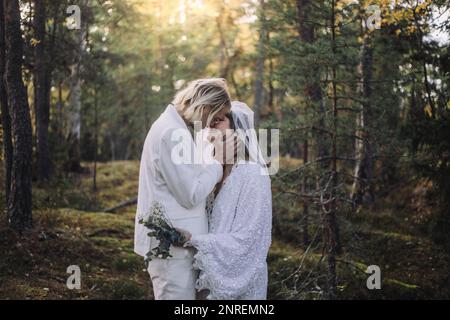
column 162, row 230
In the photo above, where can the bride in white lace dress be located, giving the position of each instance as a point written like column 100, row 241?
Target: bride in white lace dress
column 232, row 256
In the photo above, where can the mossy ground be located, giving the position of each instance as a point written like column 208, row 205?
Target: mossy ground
column 71, row 229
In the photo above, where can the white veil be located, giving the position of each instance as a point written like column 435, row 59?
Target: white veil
column 243, row 118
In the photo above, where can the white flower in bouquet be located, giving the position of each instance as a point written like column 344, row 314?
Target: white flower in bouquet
column 162, row 230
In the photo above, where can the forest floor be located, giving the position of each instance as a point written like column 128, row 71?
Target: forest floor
column 71, row 229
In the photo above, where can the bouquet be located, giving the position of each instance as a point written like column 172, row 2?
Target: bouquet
column 161, row 229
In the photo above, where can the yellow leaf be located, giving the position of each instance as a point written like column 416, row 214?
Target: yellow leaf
column 448, row 105
column 428, row 110
column 34, row 42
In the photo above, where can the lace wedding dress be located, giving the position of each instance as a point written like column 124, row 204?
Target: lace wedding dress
column 232, row 256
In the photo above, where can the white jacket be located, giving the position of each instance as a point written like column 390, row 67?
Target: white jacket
column 181, row 188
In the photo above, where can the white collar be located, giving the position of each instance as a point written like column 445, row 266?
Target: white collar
column 172, row 112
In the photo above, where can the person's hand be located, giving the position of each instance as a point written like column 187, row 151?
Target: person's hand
column 185, row 236
column 225, row 147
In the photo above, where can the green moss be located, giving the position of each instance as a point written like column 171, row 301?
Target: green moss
column 128, row 263
column 127, row 290
column 402, row 284
column 71, row 229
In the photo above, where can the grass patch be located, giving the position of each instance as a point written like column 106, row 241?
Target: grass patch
column 70, row 229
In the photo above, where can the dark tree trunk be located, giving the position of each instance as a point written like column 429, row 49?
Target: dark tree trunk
column 60, row 119
column 19, row 202
column 305, row 224
column 94, row 186
column 227, row 61
column 330, row 225
column 259, row 79
column 306, row 31
column 6, row 119
column 42, row 74
column 314, row 94
column 270, row 99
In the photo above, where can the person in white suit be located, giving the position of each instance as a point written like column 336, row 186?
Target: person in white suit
column 182, row 188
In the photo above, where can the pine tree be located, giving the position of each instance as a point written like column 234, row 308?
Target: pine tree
column 20, row 199
column 5, row 116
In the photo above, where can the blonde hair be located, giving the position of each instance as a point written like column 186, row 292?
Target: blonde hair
column 191, row 101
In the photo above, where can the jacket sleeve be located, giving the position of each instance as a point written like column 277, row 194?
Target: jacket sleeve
column 189, row 182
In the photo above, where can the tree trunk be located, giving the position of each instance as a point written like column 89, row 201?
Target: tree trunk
column 305, row 224
column 6, row 118
column 20, row 199
column 74, row 116
column 362, row 189
column 270, row 100
column 226, row 63
column 42, row 74
column 306, row 35
column 259, row 79
column 422, row 53
column 313, row 91
column 330, row 229
column 94, row 182
column 60, row 120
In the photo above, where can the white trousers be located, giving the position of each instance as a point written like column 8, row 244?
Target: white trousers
column 173, row 279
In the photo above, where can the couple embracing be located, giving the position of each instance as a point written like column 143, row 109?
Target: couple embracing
column 222, row 207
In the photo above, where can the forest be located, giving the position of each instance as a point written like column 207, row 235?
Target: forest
column 360, row 93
